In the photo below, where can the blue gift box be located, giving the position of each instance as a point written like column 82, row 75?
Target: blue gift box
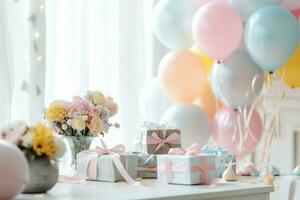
column 223, row 158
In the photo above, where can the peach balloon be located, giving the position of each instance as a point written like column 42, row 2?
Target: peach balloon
column 208, row 102
column 182, row 75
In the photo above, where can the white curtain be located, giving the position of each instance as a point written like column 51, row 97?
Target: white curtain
column 101, row 45
column 13, row 60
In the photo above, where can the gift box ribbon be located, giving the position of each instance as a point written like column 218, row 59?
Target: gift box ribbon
column 194, row 149
column 154, row 138
column 92, row 169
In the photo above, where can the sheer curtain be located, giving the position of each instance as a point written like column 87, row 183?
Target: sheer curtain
column 14, row 37
column 104, row 45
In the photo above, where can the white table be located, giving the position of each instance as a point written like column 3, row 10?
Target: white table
column 121, row 190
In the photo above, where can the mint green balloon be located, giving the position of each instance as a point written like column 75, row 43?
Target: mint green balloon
column 172, row 22
column 271, row 36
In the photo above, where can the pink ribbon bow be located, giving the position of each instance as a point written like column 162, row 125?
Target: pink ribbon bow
column 92, row 169
column 194, row 149
column 173, row 138
column 205, row 168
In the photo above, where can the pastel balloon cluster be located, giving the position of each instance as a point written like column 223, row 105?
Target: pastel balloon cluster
column 208, row 83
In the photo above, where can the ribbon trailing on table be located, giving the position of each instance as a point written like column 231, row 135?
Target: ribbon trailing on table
column 154, row 138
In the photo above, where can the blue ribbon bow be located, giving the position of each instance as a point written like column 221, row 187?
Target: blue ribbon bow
column 214, row 150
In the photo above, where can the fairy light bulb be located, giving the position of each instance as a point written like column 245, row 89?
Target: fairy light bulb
column 39, row 58
column 36, row 35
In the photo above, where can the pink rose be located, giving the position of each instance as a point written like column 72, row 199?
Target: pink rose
column 111, row 105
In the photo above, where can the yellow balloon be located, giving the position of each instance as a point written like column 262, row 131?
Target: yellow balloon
column 207, row 61
column 291, row 71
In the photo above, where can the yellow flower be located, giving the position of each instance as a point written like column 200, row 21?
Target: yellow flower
column 56, row 112
column 96, row 125
column 43, row 141
column 96, row 97
column 78, row 124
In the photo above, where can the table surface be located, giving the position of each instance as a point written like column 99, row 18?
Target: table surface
column 121, row 190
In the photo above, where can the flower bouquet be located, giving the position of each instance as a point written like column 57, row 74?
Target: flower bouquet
column 82, row 119
column 41, row 148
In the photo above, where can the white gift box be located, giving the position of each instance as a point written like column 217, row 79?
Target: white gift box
column 106, row 168
column 186, row 169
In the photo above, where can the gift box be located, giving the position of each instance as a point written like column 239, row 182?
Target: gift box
column 156, row 140
column 106, row 167
column 186, row 169
column 147, row 165
column 223, row 158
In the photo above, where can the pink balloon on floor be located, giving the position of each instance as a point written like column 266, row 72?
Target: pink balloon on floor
column 226, row 131
column 217, row 29
column 13, row 170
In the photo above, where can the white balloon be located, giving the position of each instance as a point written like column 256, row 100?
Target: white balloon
column 153, row 102
column 192, row 122
column 13, row 170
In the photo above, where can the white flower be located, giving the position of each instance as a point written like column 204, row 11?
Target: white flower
column 69, row 122
column 64, row 127
column 19, row 126
column 14, row 131
column 27, row 140
column 60, row 147
column 85, row 117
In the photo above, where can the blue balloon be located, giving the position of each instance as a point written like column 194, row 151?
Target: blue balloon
column 271, row 36
column 246, row 7
column 237, row 81
column 173, row 22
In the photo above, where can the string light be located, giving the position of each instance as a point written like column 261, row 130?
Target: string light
column 36, row 35
column 39, row 58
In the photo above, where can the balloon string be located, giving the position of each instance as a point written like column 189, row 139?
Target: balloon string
column 246, row 127
column 235, row 132
column 240, row 146
column 272, row 133
column 249, row 117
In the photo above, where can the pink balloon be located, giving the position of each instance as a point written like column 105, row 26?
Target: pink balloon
column 291, row 4
column 296, row 13
column 13, row 170
column 217, row 29
column 226, row 131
